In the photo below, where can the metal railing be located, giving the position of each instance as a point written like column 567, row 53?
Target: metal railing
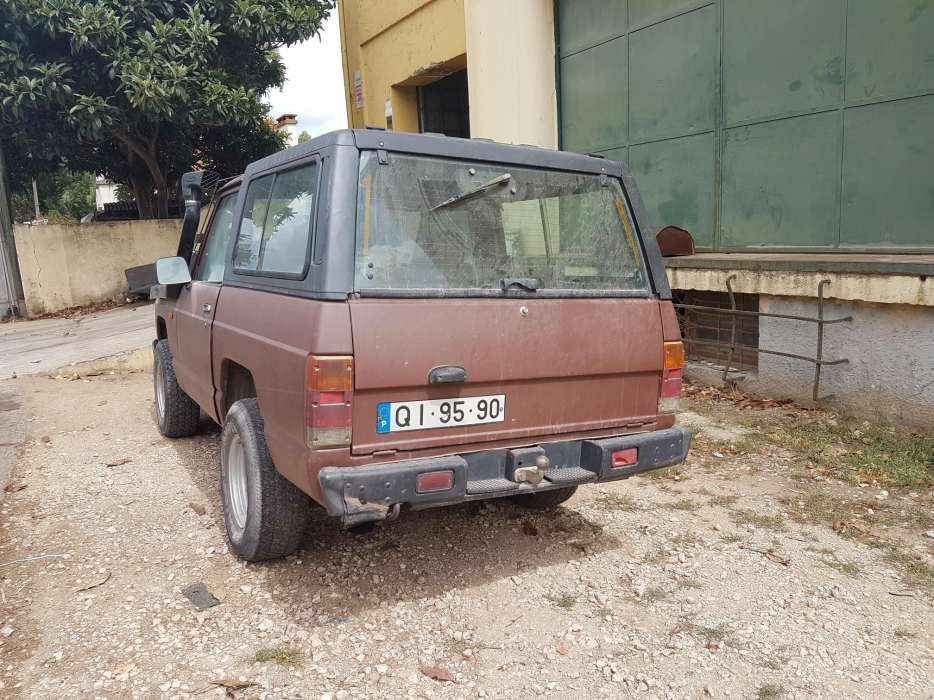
column 818, row 360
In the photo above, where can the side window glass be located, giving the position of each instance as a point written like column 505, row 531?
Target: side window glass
column 277, row 218
column 213, row 260
column 251, row 225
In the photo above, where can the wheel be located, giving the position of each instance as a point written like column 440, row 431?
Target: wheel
column 176, row 413
column 264, row 513
column 546, row 499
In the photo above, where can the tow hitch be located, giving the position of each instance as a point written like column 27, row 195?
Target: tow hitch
column 533, row 475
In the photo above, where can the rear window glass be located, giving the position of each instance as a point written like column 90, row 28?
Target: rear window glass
column 435, row 224
column 276, row 227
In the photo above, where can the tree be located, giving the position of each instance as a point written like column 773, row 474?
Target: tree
column 143, row 90
column 304, row 137
column 64, row 196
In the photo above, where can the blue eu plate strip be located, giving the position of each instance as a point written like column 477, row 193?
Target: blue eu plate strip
column 382, row 417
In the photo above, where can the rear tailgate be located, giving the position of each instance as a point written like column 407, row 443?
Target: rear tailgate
column 563, row 365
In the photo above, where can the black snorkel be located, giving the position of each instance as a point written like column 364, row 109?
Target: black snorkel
column 193, row 185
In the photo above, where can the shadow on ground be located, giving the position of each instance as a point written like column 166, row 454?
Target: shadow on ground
column 424, row 554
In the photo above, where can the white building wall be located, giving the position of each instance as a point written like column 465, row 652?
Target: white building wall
column 105, row 192
column 511, row 71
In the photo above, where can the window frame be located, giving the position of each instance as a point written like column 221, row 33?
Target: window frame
column 235, row 271
column 234, row 196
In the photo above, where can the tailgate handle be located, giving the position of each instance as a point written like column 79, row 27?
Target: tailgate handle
column 447, row 374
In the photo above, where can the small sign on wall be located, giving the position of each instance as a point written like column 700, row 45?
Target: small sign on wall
column 357, row 89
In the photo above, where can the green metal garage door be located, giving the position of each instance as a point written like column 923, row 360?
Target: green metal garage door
column 800, row 124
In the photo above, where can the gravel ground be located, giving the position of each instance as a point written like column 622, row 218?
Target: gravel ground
column 696, row 584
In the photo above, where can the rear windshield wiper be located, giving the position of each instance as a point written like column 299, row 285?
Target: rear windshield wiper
column 529, row 284
column 499, row 180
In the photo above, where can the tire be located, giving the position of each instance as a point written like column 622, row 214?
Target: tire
column 264, row 513
column 176, row 413
column 546, row 500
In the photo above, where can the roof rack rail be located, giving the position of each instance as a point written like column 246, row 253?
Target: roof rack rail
column 375, row 128
column 596, row 155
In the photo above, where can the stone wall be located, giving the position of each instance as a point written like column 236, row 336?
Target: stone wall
column 74, row 265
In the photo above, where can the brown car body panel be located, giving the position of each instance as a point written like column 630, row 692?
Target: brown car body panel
column 194, row 314
column 271, row 336
column 565, row 365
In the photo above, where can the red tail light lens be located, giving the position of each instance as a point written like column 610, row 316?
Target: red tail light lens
column 433, row 482
column 672, row 377
column 328, row 401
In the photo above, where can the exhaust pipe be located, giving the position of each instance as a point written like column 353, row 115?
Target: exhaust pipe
column 193, row 185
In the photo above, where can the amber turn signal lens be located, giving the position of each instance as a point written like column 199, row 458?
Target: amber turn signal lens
column 674, row 355
column 330, row 373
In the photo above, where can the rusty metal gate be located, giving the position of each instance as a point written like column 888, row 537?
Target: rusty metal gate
column 730, row 346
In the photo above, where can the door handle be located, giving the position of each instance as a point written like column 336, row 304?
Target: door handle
column 206, row 308
column 447, row 374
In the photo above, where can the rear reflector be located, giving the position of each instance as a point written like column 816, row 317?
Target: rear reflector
column 672, row 380
column 328, row 401
column 625, row 458
column 432, row 482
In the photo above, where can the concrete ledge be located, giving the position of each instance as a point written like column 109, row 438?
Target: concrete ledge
column 864, row 264
column 913, row 290
column 121, row 363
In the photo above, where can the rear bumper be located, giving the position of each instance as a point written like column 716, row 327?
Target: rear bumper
column 364, row 494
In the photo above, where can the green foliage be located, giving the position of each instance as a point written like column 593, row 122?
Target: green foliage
column 64, row 197
column 142, row 91
column 304, row 137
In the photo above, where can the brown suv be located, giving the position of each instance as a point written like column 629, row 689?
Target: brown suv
column 383, row 320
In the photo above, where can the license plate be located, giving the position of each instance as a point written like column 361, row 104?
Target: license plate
column 396, row 416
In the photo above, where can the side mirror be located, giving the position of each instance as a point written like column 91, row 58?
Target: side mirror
column 674, row 242
column 172, row 271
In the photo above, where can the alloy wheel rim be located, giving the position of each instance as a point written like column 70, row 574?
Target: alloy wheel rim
column 236, row 482
column 160, row 391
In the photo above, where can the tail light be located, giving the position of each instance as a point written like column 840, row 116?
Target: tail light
column 328, row 401
column 672, row 376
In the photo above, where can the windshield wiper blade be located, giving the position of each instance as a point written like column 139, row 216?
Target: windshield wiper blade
column 529, row 284
column 499, row 180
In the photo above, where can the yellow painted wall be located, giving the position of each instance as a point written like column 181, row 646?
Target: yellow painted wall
column 74, row 265
column 397, row 45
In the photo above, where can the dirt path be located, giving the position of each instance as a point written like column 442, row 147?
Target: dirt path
column 702, row 584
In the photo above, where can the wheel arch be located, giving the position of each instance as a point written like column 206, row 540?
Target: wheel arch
column 237, row 383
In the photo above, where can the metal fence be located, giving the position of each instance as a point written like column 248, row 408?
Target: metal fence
column 732, row 347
